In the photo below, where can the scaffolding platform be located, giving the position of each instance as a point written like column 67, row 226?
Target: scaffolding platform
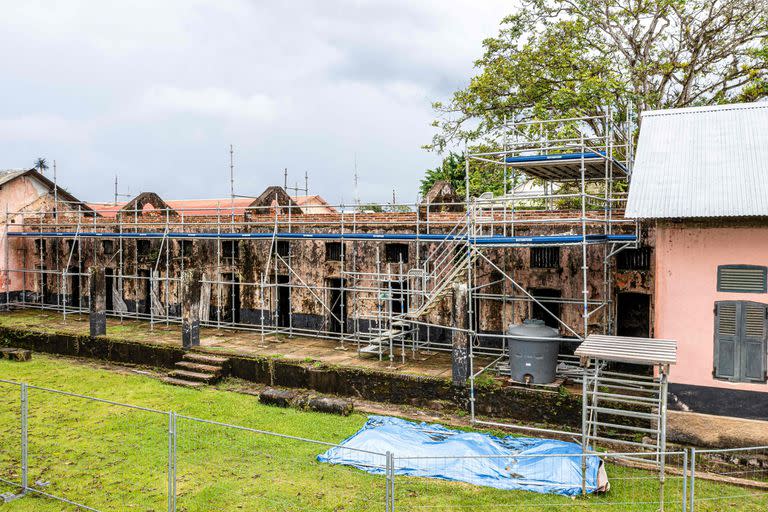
column 567, row 166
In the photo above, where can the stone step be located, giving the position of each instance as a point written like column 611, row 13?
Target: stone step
column 206, row 378
column 199, row 367
column 197, row 357
column 372, row 349
column 182, row 382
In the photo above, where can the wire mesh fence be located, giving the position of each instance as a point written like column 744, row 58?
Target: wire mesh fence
column 76, row 456
column 10, row 436
column 102, row 455
column 220, row 465
column 602, row 481
column 729, row 479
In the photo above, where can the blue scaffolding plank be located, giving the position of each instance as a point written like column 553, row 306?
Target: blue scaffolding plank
column 480, row 240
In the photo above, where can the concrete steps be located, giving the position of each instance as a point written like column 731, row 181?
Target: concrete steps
column 198, row 367
column 183, row 383
column 196, row 370
column 206, row 378
column 197, row 357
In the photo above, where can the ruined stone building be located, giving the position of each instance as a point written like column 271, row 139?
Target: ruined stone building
column 311, row 278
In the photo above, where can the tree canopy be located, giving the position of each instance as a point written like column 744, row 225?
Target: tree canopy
column 560, row 58
column 41, row 165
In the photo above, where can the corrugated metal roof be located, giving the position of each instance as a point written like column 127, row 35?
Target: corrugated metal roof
column 701, row 162
column 626, row 349
column 9, row 174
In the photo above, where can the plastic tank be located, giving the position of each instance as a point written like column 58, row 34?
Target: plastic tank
column 533, row 360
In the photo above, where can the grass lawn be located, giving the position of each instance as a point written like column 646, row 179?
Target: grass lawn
column 113, row 458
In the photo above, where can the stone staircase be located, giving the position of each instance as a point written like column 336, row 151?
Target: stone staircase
column 196, row 370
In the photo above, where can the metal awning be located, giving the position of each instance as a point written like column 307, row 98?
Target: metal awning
column 626, row 349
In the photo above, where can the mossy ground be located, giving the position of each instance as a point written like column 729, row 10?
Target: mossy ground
column 113, row 458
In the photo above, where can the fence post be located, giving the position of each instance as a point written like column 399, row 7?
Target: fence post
column 172, row 462
column 692, row 495
column 24, row 439
column 685, row 481
column 387, row 506
column 392, row 482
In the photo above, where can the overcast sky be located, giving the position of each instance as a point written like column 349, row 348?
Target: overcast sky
column 157, row 90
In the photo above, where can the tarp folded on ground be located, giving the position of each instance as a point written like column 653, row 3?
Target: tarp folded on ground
column 433, row 451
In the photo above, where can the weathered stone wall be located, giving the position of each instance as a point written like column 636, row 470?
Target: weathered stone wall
column 309, row 266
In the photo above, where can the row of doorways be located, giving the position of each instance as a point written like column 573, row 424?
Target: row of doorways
column 632, row 309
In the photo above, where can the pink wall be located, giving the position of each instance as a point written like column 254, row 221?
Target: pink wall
column 687, row 257
column 21, row 193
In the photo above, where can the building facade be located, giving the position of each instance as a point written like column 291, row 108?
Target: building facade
column 701, row 178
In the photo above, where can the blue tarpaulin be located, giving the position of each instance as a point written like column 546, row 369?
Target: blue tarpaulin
column 433, row 451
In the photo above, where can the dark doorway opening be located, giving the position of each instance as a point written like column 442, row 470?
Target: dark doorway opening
column 338, row 305
column 399, row 297
column 231, row 298
column 538, row 312
column 283, row 301
column 633, row 314
column 144, row 293
column 109, row 288
column 633, row 318
column 74, row 288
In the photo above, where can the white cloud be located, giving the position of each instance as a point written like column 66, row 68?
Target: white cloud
column 44, row 128
column 147, row 87
column 210, row 101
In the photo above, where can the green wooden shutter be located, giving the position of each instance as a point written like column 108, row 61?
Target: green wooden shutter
column 726, row 339
column 753, row 342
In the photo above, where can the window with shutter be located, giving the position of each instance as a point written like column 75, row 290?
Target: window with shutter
column 742, row 278
column 725, row 340
column 740, row 341
column 753, row 345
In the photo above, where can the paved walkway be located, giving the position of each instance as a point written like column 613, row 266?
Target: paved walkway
column 226, row 341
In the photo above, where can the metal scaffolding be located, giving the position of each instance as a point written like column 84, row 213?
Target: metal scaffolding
column 385, row 291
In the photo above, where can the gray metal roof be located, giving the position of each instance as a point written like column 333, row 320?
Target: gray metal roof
column 9, row 174
column 701, row 162
column 626, row 349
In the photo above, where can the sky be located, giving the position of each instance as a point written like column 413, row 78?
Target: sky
column 156, row 91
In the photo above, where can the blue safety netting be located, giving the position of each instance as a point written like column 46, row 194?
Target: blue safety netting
column 434, row 451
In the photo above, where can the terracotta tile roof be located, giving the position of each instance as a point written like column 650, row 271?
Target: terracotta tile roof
column 198, row 207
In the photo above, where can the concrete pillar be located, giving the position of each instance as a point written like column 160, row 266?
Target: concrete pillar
column 98, row 309
column 461, row 339
column 190, row 307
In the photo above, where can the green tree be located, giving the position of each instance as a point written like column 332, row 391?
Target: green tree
column 482, row 178
column 370, row 207
column 451, row 169
column 41, row 165
column 559, row 58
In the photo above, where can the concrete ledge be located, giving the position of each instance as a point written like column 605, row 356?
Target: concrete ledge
column 15, row 354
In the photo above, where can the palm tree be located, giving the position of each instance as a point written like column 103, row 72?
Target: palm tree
column 41, row 165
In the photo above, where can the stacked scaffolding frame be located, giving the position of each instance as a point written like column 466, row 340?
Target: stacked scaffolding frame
column 586, row 155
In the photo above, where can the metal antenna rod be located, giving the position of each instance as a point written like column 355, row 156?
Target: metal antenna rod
column 357, row 194
column 55, row 192
column 232, row 182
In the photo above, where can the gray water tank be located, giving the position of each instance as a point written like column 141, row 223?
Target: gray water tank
column 533, row 360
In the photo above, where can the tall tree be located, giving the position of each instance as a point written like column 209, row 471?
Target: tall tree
column 574, row 57
column 451, row 169
column 41, row 165
column 482, row 178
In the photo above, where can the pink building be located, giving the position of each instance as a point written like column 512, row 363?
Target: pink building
column 24, row 190
column 701, row 175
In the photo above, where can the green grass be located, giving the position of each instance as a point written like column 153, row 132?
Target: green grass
column 113, row 458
